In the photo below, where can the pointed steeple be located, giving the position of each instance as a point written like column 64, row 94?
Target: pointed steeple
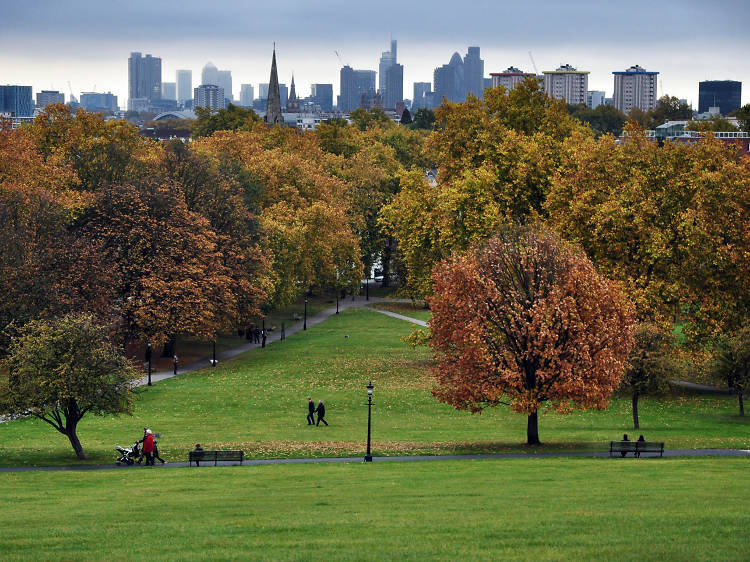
column 292, row 104
column 273, row 104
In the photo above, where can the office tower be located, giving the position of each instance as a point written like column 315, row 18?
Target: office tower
column 635, row 87
column 449, row 81
column 394, row 86
column 48, row 97
column 246, row 95
column 283, row 94
column 387, row 59
column 16, row 100
column 724, row 94
column 210, row 96
column 263, row 91
column 184, row 85
column 355, row 83
column 421, row 89
column 509, row 78
column 224, row 78
column 273, row 105
column 473, row 73
column 94, row 101
column 144, row 77
column 322, row 95
column 594, row 98
column 567, row 83
column 210, row 74
column 169, row 90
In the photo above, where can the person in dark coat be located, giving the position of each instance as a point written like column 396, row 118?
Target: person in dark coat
column 624, row 438
column 156, row 454
column 641, row 439
column 321, row 411
column 256, row 334
column 198, row 448
column 310, row 411
column 264, row 335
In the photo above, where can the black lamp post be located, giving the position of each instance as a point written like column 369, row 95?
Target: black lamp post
column 367, row 287
column 304, row 324
column 213, row 360
column 368, row 456
column 148, row 359
column 337, row 301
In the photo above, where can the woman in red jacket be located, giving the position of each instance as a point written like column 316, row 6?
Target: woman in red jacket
column 148, row 447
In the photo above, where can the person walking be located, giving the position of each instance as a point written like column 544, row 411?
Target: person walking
column 256, row 334
column 148, row 447
column 321, row 411
column 310, row 411
column 156, row 453
column 263, row 336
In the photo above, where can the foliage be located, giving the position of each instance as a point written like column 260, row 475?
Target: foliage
column 603, row 119
column 715, row 123
column 406, row 117
column 367, row 119
column 337, row 137
column 669, row 108
column 61, row 369
column 731, row 363
column 233, row 118
column 743, row 116
column 526, row 318
column 423, row 119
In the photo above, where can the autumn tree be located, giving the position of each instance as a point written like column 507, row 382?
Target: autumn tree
column 522, row 319
column 233, row 118
column 731, row 363
column 423, row 119
column 61, row 369
column 650, row 364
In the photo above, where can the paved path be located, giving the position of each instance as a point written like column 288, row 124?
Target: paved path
column 540, row 455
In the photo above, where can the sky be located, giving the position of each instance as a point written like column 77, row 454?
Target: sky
column 48, row 43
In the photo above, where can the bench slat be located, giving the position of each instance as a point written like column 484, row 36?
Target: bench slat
column 216, row 456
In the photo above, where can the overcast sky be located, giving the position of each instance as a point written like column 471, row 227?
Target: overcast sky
column 46, row 43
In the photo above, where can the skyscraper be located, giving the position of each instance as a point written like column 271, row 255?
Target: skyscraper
column 210, row 74
column 48, row 97
column 273, row 106
column 473, row 73
column 247, row 95
column 387, row 59
column 169, row 90
column 421, row 89
column 210, row 96
column 95, row 101
column 224, row 78
column 635, row 87
column 144, row 77
column 322, row 94
column 17, row 101
column 449, row 81
column 184, row 85
column 724, row 94
column 567, row 83
column 355, row 83
column 394, row 86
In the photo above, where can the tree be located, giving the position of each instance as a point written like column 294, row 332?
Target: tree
column 716, row 123
column 526, row 318
column 650, row 365
column 731, row 363
column 603, row 119
column 743, row 116
column 669, row 108
column 59, row 370
column 406, row 117
column 365, row 119
column 423, row 119
column 233, row 118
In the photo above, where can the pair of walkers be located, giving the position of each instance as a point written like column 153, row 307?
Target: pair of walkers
column 150, row 450
column 312, row 410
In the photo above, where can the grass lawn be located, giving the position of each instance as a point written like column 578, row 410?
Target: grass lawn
column 531, row 509
column 258, row 402
column 406, row 308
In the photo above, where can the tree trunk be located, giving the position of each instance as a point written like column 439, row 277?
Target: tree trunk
column 169, row 347
column 70, row 431
column 532, row 430
column 742, row 404
column 385, row 261
column 636, row 425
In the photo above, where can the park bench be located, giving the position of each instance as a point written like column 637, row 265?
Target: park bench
column 635, row 447
column 215, row 456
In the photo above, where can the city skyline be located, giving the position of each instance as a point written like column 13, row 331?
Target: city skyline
column 39, row 44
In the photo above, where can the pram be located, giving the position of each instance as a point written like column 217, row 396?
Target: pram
column 128, row 455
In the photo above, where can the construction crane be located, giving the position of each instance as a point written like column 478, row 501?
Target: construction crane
column 72, row 97
column 536, row 71
column 339, row 57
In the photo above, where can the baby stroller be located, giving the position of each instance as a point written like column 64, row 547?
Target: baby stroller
column 128, row 455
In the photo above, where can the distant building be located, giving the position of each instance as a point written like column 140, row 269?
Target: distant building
column 595, row 98
column 388, row 60
column 95, row 101
column 473, row 73
column 273, row 105
column 184, row 85
column 283, row 94
column 263, row 91
column 509, row 78
column 210, row 96
column 394, row 86
column 247, row 95
column 567, row 83
column 210, row 74
column 421, row 89
column 169, row 90
column 724, row 94
column 16, row 101
column 449, row 81
column 355, row 83
column 635, row 87
column 225, row 82
column 144, row 78
column 49, row 97
column 292, row 103
column 322, row 95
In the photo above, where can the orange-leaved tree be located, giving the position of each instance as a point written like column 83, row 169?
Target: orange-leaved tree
column 524, row 319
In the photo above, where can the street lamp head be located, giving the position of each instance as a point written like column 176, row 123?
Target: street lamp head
column 369, row 388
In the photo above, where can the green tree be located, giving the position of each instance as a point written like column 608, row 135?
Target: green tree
column 233, row 118
column 743, row 116
column 731, row 363
column 669, row 108
column 61, row 369
column 406, row 117
column 423, row 119
column 716, row 124
column 367, row 119
column 603, row 119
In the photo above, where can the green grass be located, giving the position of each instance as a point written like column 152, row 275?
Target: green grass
column 257, row 402
column 406, row 309
column 529, row 509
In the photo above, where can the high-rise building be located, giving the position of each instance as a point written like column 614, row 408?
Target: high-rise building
column 509, row 78
column 273, row 106
column 210, row 74
column 355, row 83
column 449, row 81
column 169, row 90
column 567, row 83
column 283, row 94
column 724, row 94
column 16, row 100
column 95, row 101
column 144, row 77
column 394, row 86
column 322, row 95
column 247, row 95
column 225, row 81
column 635, row 87
column 263, row 91
column 48, row 97
column 473, row 73
column 595, row 98
column 184, row 85
column 387, row 59
column 421, row 89
column 210, row 96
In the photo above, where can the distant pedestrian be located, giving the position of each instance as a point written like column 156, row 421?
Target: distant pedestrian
column 256, row 334
column 156, row 454
column 310, row 411
column 624, row 438
column 321, row 411
column 264, row 335
column 148, row 447
column 249, row 334
column 198, row 448
column 175, row 362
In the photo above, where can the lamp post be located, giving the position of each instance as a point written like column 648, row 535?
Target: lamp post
column 304, row 324
column 368, row 456
column 148, row 359
column 337, row 301
column 213, row 359
column 367, row 286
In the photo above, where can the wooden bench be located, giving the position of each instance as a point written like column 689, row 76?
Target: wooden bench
column 215, row 456
column 635, row 447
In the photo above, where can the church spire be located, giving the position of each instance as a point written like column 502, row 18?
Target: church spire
column 292, row 104
column 273, row 104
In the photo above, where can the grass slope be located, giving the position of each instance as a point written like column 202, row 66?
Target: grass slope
column 551, row 509
column 257, row 402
